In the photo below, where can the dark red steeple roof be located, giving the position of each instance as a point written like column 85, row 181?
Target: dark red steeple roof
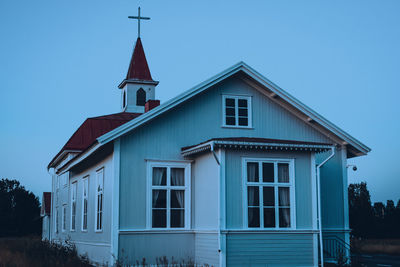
column 138, row 68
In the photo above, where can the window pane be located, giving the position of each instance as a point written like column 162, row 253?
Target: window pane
column 177, row 218
column 159, row 176
column 243, row 121
column 269, row 217
column 284, row 196
column 230, row 111
column 283, row 172
column 177, row 199
column 243, row 112
column 230, row 121
column 243, row 103
column 253, row 196
column 229, row 102
column 284, row 217
column 269, row 196
column 254, row 217
column 159, row 218
column 268, row 172
column 252, row 171
column 177, row 176
column 159, row 198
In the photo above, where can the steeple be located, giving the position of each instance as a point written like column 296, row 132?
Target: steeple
column 138, row 88
column 138, row 68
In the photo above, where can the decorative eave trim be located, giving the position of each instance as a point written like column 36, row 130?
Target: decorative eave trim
column 254, row 145
column 241, row 66
column 56, row 161
column 125, row 81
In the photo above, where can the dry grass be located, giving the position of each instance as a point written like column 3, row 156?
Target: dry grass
column 377, row 246
column 32, row 252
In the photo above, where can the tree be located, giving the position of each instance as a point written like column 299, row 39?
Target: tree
column 360, row 210
column 19, row 210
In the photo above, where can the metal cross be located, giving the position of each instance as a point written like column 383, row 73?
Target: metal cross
column 138, row 18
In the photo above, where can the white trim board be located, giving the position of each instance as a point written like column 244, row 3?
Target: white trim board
column 268, row 85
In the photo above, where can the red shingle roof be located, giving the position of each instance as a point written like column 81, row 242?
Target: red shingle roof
column 138, row 68
column 92, row 128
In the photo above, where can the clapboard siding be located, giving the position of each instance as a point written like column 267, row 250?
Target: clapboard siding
column 261, row 249
column 190, row 123
column 136, row 246
column 206, row 249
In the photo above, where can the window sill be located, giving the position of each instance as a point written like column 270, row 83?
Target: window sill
column 238, row 127
column 98, row 231
column 84, row 231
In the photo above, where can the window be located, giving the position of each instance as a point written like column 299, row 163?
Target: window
column 85, row 203
column 56, row 222
column 236, row 111
column 64, row 217
column 99, row 199
column 140, row 97
column 269, row 195
column 73, row 205
column 169, row 196
column 124, row 99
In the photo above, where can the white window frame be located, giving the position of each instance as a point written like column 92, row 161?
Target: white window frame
column 249, row 111
column 56, row 220
column 85, row 180
column 74, row 187
column 64, row 218
column 187, row 187
column 275, row 184
column 99, row 173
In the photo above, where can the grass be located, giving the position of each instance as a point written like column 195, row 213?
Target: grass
column 377, row 246
column 32, row 252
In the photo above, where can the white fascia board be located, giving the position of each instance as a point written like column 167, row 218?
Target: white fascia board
column 74, row 161
column 241, row 66
column 305, row 109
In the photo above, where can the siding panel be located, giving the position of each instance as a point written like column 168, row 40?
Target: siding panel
column 261, row 249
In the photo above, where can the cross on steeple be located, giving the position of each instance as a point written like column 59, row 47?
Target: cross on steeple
column 138, row 17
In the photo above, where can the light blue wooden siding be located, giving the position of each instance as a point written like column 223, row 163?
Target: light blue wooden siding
column 263, row 249
column 135, row 247
column 333, row 188
column 234, row 186
column 206, row 249
column 192, row 122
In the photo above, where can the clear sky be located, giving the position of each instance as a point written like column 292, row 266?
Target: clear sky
column 61, row 62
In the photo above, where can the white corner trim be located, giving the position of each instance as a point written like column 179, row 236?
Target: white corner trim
column 115, row 201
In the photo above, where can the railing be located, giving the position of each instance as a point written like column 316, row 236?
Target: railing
column 336, row 249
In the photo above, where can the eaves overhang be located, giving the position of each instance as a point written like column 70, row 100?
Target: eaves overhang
column 136, row 81
column 313, row 116
column 249, row 145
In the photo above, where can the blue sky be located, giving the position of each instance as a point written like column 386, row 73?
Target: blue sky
column 61, row 62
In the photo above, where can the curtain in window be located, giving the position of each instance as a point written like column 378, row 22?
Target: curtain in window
column 284, row 202
column 177, row 176
column 252, row 172
column 158, row 175
column 283, row 173
column 253, row 202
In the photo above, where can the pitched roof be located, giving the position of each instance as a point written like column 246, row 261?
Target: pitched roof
column 138, row 67
column 46, row 203
column 263, row 85
column 91, row 129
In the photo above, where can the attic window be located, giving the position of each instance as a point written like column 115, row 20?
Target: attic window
column 140, row 97
column 124, row 99
column 236, row 111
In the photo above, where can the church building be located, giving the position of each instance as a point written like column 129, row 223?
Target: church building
column 232, row 172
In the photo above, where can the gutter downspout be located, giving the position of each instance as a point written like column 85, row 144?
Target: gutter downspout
column 221, row 261
column 319, row 203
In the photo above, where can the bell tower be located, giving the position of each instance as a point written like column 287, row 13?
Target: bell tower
column 138, row 87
